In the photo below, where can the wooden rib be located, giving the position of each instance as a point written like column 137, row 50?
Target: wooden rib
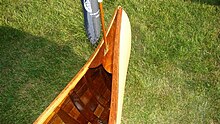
column 66, row 118
column 97, row 85
column 83, row 109
column 69, row 108
column 91, row 93
column 105, row 115
column 115, row 73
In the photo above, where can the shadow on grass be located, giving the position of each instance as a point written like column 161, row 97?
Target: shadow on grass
column 33, row 71
column 210, row 2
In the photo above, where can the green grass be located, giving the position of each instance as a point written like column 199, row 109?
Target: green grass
column 174, row 70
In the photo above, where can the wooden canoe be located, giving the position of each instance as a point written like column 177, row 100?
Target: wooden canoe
column 95, row 94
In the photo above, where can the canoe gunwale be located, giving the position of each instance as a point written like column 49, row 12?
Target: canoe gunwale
column 115, row 73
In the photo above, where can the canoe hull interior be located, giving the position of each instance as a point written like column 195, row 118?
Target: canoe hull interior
column 95, row 94
column 89, row 101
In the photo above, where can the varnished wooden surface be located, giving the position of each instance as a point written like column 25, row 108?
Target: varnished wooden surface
column 92, row 95
column 89, row 101
column 115, row 73
column 106, row 58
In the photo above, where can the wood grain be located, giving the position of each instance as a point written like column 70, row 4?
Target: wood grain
column 92, row 95
column 115, row 73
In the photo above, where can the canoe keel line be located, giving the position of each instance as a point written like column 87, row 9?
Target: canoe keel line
column 95, row 94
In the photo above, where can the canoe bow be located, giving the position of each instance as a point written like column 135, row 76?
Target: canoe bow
column 95, row 94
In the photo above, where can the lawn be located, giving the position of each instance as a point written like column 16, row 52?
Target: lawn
column 174, row 69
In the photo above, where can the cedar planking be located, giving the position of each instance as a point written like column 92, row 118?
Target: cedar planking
column 92, row 95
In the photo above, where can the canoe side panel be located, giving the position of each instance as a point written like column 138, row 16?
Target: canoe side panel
column 115, row 71
column 125, row 49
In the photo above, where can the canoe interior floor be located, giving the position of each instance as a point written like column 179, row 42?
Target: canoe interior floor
column 89, row 101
